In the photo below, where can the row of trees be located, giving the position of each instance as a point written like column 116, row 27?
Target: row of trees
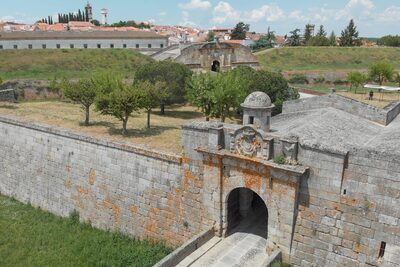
column 349, row 37
column 379, row 72
column 67, row 17
column 389, row 40
column 156, row 84
column 131, row 23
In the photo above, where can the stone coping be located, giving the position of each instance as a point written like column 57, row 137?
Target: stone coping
column 295, row 169
column 383, row 116
column 133, row 148
column 186, row 249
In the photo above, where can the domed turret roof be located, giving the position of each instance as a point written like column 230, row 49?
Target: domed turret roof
column 257, row 100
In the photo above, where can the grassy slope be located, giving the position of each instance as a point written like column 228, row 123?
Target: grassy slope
column 31, row 237
column 326, row 58
column 46, row 64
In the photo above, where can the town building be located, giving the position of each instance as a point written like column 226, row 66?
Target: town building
column 143, row 41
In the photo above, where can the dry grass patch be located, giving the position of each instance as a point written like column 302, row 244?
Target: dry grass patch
column 381, row 100
column 165, row 133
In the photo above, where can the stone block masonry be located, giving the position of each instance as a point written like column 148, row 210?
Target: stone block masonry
column 112, row 186
column 335, row 201
column 7, row 95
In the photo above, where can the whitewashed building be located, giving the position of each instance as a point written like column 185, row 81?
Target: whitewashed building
column 144, row 42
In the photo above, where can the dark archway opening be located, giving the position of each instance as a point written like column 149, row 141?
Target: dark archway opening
column 247, row 213
column 215, row 66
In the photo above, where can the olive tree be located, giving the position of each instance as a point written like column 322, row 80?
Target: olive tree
column 356, row 78
column 173, row 74
column 381, row 72
column 153, row 95
column 119, row 100
column 198, row 92
column 83, row 92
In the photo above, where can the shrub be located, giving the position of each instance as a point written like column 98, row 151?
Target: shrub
column 279, row 159
column 339, row 82
column 319, row 79
column 298, row 79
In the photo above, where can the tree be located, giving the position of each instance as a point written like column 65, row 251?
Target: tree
column 390, row 40
column 321, row 32
column 318, row 41
column 119, row 100
column 271, row 83
column 356, row 78
column 227, row 95
column 349, row 36
column 198, row 92
column 308, row 31
column 332, row 39
column 96, row 22
column 396, row 78
column 173, row 74
column 153, row 95
column 210, row 36
column 56, row 86
column 381, row 71
column 83, row 92
column 240, row 30
column 266, row 41
column 294, row 39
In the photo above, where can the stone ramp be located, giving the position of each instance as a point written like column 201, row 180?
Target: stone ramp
column 246, row 246
column 239, row 249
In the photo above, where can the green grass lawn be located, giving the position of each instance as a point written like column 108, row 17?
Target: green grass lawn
column 69, row 63
column 31, row 237
column 326, row 58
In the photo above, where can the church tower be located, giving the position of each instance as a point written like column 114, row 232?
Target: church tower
column 89, row 12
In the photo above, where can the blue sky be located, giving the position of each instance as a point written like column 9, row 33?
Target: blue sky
column 373, row 17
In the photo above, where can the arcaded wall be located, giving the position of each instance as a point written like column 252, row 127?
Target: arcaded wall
column 113, row 186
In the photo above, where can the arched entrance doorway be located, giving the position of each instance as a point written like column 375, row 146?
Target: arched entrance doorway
column 215, row 66
column 247, row 213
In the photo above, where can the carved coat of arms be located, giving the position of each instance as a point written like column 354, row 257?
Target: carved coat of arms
column 247, row 143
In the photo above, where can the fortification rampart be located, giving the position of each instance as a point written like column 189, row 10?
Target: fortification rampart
column 382, row 116
column 328, row 207
column 114, row 186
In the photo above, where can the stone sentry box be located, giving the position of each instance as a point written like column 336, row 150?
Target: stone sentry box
column 239, row 156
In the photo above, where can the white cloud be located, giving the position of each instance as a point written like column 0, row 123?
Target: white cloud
column 390, row 14
column 360, row 4
column 163, row 13
column 186, row 21
column 224, row 12
column 266, row 12
column 7, row 19
column 195, row 4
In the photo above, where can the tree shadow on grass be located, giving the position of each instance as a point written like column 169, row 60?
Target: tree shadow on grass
column 8, row 106
column 144, row 132
column 180, row 114
column 98, row 123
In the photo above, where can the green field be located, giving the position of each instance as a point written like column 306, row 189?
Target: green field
column 326, row 58
column 31, row 237
column 79, row 63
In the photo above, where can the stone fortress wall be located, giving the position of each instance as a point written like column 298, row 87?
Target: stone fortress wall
column 338, row 207
column 118, row 187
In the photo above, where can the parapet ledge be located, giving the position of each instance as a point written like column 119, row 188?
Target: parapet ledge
column 133, row 148
column 298, row 170
column 202, row 125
